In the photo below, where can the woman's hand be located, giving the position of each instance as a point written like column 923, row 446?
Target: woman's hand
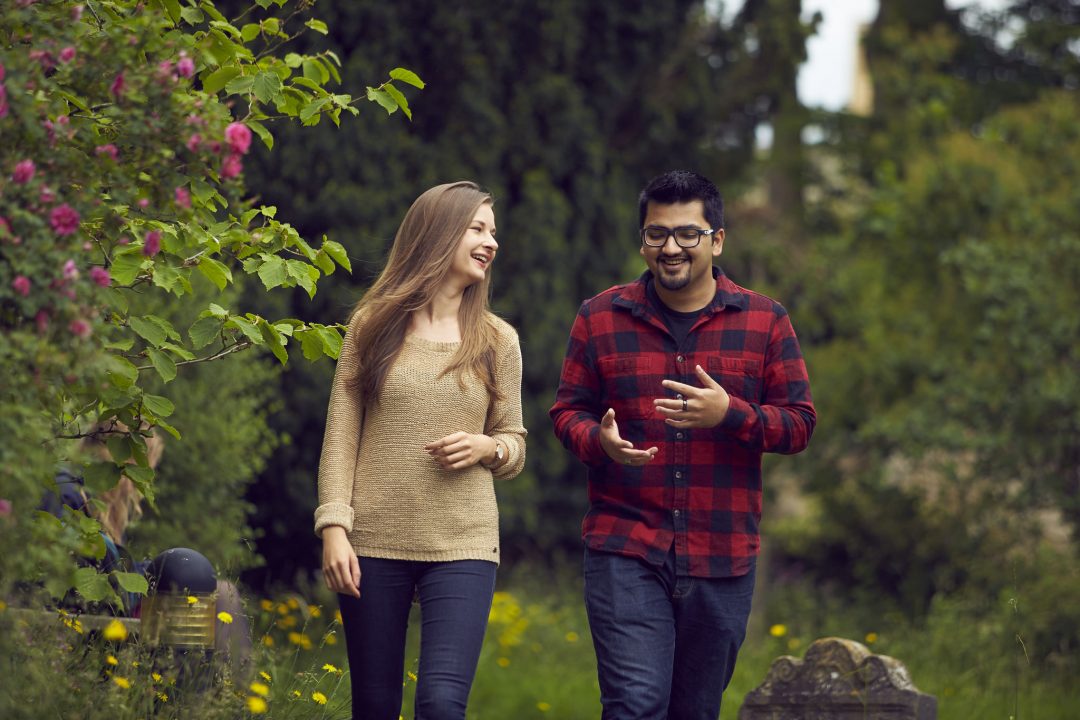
column 341, row 568
column 460, row 450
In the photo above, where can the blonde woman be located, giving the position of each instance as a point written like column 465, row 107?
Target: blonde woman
column 424, row 413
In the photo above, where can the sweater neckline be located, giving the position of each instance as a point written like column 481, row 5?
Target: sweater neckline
column 436, row 345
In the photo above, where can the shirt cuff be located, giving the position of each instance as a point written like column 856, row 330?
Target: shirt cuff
column 737, row 412
column 333, row 514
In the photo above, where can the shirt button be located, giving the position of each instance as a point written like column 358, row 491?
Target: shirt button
column 678, row 436
column 676, row 513
column 678, row 475
column 679, row 358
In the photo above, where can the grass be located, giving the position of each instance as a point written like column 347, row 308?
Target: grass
column 537, row 661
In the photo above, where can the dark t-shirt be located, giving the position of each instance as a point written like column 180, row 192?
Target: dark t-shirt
column 678, row 323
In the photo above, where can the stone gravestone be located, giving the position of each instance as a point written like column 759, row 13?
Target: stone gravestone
column 838, row 680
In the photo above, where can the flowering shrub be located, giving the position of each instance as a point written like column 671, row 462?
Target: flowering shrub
column 124, row 129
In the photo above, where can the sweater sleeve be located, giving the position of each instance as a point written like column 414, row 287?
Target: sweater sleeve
column 341, row 441
column 505, row 422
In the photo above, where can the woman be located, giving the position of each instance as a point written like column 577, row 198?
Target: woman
column 425, row 410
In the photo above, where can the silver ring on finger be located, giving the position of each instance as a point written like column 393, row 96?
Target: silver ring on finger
column 685, row 407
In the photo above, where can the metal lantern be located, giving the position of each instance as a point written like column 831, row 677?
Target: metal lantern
column 179, row 610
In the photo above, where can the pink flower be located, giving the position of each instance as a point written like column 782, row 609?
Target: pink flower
column 2, row 72
column 193, row 142
column 80, row 329
column 238, row 135
column 67, row 54
column 46, row 195
column 100, row 276
column 152, row 243
column 24, row 172
column 42, row 321
column 165, row 70
column 123, row 240
column 5, row 227
column 70, row 270
column 109, row 150
column 117, row 86
column 5, row 507
column 185, row 66
column 144, row 203
column 183, row 197
column 44, row 57
column 231, row 166
column 76, row 13
column 21, row 285
column 64, row 219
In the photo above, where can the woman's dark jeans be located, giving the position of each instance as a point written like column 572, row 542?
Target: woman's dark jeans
column 665, row 644
column 455, row 600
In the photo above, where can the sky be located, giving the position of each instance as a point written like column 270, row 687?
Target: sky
column 825, row 80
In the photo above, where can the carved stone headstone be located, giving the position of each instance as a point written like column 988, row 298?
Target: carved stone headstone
column 838, row 680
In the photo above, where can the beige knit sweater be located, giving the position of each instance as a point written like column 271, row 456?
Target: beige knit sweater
column 376, row 480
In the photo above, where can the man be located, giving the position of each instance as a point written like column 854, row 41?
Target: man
column 672, row 388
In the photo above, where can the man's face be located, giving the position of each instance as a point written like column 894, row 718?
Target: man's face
column 676, row 268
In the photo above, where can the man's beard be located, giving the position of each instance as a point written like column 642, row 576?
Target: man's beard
column 674, row 282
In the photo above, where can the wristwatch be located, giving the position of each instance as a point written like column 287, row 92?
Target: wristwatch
column 500, row 453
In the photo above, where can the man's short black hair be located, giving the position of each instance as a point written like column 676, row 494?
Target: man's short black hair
column 681, row 186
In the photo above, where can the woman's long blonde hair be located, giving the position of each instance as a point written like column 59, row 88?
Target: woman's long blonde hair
column 419, row 263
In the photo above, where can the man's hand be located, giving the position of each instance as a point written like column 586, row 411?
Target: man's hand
column 460, row 450
column 702, row 407
column 341, row 568
column 619, row 450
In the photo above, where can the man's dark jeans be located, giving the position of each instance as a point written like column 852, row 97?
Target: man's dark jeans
column 665, row 644
column 455, row 599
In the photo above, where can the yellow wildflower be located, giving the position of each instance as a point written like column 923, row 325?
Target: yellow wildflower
column 122, row 682
column 3, row 606
column 778, row 631
column 225, row 617
column 296, row 693
column 315, row 611
column 283, row 609
column 266, row 605
column 268, row 641
column 412, row 676
column 156, row 677
column 260, row 688
column 337, row 616
column 256, row 705
column 264, row 675
column 543, row 706
column 110, row 660
column 571, row 636
column 793, row 643
column 134, row 663
column 331, row 638
column 300, row 639
column 330, row 668
column 163, row 697
column 871, row 638
column 293, row 603
column 115, row 630
column 503, row 662
column 319, row 698
column 191, row 599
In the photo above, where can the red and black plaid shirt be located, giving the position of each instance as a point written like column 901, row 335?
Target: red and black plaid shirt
column 702, row 492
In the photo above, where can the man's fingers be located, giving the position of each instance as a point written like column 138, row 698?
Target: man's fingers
column 706, row 378
column 609, row 418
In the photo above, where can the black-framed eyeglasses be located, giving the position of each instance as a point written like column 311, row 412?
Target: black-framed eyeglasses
column 685, row 237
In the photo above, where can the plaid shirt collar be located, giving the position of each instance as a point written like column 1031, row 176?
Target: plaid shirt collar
column 634, row 298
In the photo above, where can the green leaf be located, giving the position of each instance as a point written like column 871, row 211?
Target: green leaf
column 311, row 344
column 241, row 85
column 166, row 277
column 131, row 582
column 173, row 8
column 160, row 406
column 165, row 365
column 273, row 271
column 101, row 475
column 318, row 26
column 269, row 211
column 273, row 340
column 192, row 15
column 177, row 350
column 314, row 71
column 263, row 133
column 147, row 330
column 337, row 252
column 293, row 60
column 119, row 449
column 74, row 100
column 248, row 328
column 92, row 585
column 167, row 428
column 324, row 263
column 267, row 86
column 331, row 339
column 165, row 325
column 302, row 273
column 216, row 80
column 209, row 9
column 217, row 311
column 215, row 271
column 399, row 99
column 121, row 371
column 383, row 98
column 407, row 76
column 203, row 331
column 126, row 267
column 143, row 477
column 313, row 108
column 250, row 31
column 226, row 27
